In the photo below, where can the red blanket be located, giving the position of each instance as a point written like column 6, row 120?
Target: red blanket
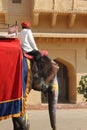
column 10, row 77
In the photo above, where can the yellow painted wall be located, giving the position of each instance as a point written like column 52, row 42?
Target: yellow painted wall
column 70, row 51
column 19, row 12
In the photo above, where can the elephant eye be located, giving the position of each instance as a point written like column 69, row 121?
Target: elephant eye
column 35, row 75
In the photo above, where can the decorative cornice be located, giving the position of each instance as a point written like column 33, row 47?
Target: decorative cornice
column 57, row 7
column 72, row 6
column 60, row 38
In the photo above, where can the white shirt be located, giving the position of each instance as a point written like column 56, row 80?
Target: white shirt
column 27, row 40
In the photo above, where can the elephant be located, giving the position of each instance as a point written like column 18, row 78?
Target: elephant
column 43, row 78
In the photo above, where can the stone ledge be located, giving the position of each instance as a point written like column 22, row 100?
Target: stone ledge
column 59, row 106
column 61, row 35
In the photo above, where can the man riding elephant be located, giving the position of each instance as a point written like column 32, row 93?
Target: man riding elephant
column 26, row 38
column 42, row 76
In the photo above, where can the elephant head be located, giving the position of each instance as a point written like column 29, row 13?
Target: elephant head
column 45, row 80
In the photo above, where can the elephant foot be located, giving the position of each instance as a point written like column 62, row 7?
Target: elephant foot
column 18, row 129
column 54, row 129
column 21, row 123
column 22, row 129
column 27, row 127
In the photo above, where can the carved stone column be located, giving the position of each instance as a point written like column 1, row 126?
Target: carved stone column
column 54, row 18
column 72, row 18
column 6, row 18
column 35, row 18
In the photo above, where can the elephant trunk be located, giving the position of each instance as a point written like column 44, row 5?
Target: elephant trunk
column 52, row 100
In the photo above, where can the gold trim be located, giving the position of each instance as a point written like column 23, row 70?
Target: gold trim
column 11, row 100
column 27, row 88
column 10, row 116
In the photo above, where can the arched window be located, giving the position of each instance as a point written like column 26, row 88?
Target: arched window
column 63, row 83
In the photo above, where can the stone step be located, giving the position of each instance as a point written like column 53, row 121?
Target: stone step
column 59, row 106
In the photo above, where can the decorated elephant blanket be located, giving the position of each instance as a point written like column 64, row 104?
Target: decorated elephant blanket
column 10, row 78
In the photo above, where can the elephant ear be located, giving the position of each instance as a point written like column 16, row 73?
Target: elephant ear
column 52, row 101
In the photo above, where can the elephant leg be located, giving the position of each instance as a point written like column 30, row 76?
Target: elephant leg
column 21, row 123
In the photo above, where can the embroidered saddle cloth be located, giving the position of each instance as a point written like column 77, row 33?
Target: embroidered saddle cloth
column 10, row 78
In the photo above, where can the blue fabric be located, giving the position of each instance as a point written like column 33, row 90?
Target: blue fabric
column 24, row 73
column 10, row 107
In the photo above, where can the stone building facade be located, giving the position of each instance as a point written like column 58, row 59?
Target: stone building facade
column 60, row 27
